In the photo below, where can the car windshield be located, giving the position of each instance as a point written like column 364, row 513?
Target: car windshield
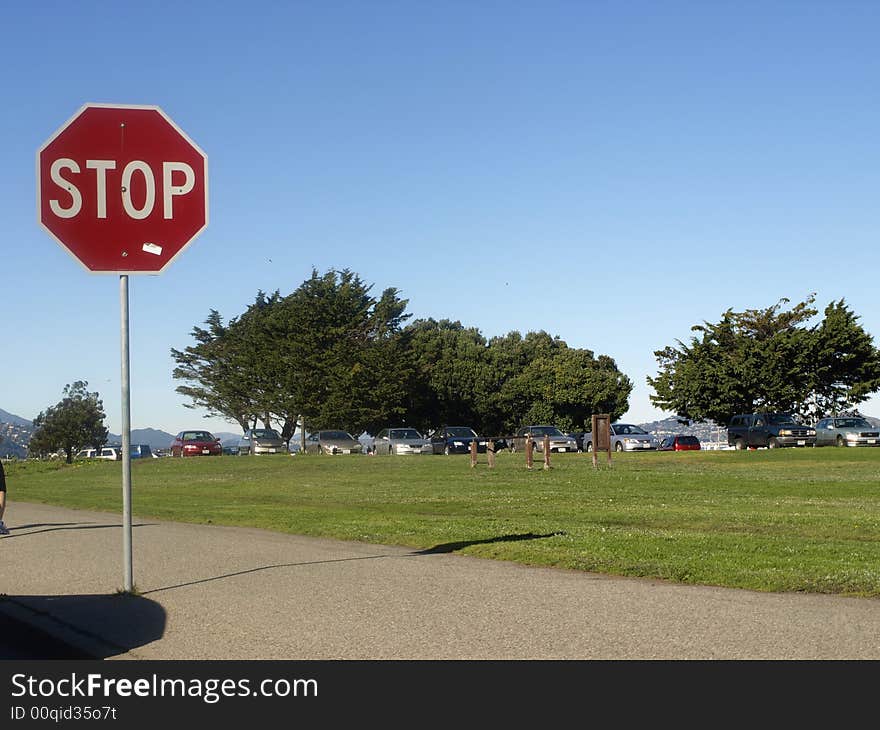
column 545, row 431
column 404, row 433
column 629, row 429
column 779, row 419
column 197, row 436
column 852, row 423
column 265, row 433
column 336, row 436
column 460, row 431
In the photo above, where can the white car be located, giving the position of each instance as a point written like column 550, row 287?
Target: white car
column 400, row 441
column 111, row 453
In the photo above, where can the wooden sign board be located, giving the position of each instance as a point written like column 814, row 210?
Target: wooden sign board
column 601, row 429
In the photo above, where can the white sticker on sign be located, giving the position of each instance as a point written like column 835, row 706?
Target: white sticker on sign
column 152, row 248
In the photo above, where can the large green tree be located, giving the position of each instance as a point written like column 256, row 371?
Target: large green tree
column 76, row 422
column 768, row 359
column 333, row 355
column 216, row 372
column 329, row 353
column 343, row 354
column 844, row 364
column 496, row 386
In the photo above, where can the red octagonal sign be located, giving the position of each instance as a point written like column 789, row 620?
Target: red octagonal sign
column 122, row 188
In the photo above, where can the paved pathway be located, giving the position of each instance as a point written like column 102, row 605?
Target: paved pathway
column 211, row 592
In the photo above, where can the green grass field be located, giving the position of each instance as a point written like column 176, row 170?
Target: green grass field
column 782, row 520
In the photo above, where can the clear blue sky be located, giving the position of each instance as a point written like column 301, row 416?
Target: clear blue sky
column 610, row 172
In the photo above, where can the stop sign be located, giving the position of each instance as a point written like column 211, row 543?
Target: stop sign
column 122, row 188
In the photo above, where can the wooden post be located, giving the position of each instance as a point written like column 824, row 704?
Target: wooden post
column 601, row 435
column 490, row 452
column 529, row 447
column 473, row 453
column 546, row 451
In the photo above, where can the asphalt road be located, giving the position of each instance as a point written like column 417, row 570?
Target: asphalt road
column 209, row 592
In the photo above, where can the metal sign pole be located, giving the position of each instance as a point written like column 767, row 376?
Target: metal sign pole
column 126, row 437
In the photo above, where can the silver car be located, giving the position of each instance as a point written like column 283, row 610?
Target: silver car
column 626, row 437
column 846, row 431
column 559, row 442
column 400, row 441
column 333, row 442
column 261, row 441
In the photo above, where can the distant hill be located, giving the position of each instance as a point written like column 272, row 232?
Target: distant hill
column 154, row 438
column 6, row 417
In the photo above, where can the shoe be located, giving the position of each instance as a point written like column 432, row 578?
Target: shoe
column 4, row 530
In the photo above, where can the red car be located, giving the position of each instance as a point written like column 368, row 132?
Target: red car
column 196, row 443
column 680, row 443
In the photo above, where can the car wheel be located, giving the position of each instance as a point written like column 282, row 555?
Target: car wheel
column 739, row 445
column 840, row 441
column 589, row 448
column 772, row 443
column 618, row 447
column 446, row 450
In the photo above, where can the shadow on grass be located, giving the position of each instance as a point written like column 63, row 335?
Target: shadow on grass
column 77, row 627
column 451, row 547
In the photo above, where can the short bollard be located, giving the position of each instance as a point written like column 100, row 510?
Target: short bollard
column 490, row 453
column 546, row 451
column 529, row 447
column 473, row 453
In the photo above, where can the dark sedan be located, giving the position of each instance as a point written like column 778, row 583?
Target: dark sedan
column 455, row 440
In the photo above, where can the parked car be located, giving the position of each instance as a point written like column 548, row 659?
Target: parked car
column 141, row 451
column 679, row 442
column 400, row 441
column 260, row 441
column 455, row 440
column 846, row 431
column 771, row 429
column 559, row 442
column 333, row 442
column 110, row 453
column 626, row 437
column 196, row 443
column 578, row 437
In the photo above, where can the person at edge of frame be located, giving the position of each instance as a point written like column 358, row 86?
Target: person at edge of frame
column 3, row 529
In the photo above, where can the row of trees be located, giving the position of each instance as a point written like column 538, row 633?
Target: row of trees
column 769, row 359
column 331, row 355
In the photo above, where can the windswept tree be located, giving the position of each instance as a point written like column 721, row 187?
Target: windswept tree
column 343, row 355
column 329, row 353
column 215, row 372
column 76, row 422
column 768, row 359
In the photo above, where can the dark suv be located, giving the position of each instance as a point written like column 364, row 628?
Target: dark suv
column 772, row 430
